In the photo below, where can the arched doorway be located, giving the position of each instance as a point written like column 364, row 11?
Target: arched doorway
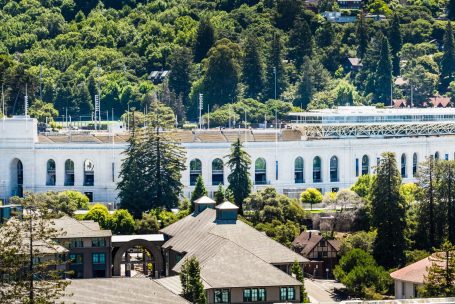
column 122, row 255
column 17, row 178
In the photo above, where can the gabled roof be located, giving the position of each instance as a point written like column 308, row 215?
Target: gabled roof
column 357, row 62
column 307, row 241
column 414, row 273
column 73, row 228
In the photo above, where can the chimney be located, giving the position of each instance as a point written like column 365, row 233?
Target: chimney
column 226, row 213
column 309, row 236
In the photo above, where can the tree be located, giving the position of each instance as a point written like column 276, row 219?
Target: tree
column 79, row 199
column 448, row 57
column 205, row 39
column 363, row 186
column 422, row 83
column 440, row 281
column 253, row 68
column 99, row 214
column 23, row 243
column 314, row 78
column 181, row 73
column 451, row 9
column 311, row 196
column 43, row 112
column 148, row 224
column 300, row 42
column 361, row 240
column 362, row 36
column 239, row 179
column 199, row 191
column 383, row 80
column 388, row 213
column 122, row 222
column 190, row 278
column 396, row 42
column 297, row 271
column 219, row 195
column 275, row 73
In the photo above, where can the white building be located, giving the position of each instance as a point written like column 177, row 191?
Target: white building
column 325, row 149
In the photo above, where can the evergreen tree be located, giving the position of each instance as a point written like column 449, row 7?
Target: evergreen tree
column 205, row 39
column 219, row 195
column 362, row 36
column 383, row 75
column 448, row 58
column 451, row 9
column 190, row 278
column 253, row 68
column 315, row 78
column 198, row 192
column 239, row 179
column 300, row 42
column 396, row 42
column 180, row 75
column 446, row 197
column 275, row 70
column 228, row 195
column 440, row 281
column 297, row 271
column 388, row 213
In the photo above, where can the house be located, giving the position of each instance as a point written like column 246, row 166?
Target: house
column 337, row 17
column 89, row 247
column 350, row 4
column 323, row 253
column 439, row 101
column 238, row 263
column 400, row 103
column 353, row 64
column 158, row 77
column 375, row 17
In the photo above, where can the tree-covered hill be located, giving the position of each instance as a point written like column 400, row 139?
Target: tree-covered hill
column 231, row 51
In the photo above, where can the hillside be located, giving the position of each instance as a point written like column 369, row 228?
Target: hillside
column 230, row 51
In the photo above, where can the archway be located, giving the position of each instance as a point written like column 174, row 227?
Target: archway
column 17, row 178
column 153, row 248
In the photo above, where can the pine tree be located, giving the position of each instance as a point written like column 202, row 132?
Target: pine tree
column 300, row 42
column 440, row 281
column 198, row 192
column 451, row 9
column 446, row 197
column 388, row 213
column 180, row 76
column 396, row 42
column 190, row 278
column 219, row 195
column 448, row 58
column 362, row 36
column 275, row 70
column 239, row 179
column 297, row 271
column 383, row 75
column 253, row 68
column 314, row 79
column 205, row 39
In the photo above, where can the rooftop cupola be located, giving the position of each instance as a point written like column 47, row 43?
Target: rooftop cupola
column 203, row 203
column 226, row 212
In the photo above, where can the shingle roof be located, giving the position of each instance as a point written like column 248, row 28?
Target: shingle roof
column 73, row 228
column 227, row 206
column 204, row 200
column 119, row 290
column 307, row 241
column 414, row 273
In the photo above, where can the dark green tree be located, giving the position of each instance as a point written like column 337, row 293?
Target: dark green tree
column 388, row 213
column 253, row 67
column 362, row 36
column 298, row 272
column 239, row 179
column 148, row 224
column 181, row 70
column 383, row 75
column 219, row 194
column 396, row 42
column 300, row 42
column 451, row 9
column 190, row 278
column 315, row 78
column 448, row 57
column 205, row 39
column 122, row 222
column 198, row 192
column 275, row 70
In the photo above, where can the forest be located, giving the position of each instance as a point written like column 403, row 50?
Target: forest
column 256, row 56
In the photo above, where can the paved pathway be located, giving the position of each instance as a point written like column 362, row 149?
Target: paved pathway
column 320, row 291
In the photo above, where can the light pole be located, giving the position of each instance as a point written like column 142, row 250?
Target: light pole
column 274, row 73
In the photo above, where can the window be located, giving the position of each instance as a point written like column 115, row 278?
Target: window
column 217, row 172
column 254, row 295
column 69, row 172
column 76, row 243
column 195, row 170
column 50, row 170
column 20, row 179
column 260, row 167
column 365, row 165
column 356, row 167
column 446, row 157
column 436, row 155
column 324, row 254
column 317, row 176
column 221, row 295
column 178, row 257
column 403, row 165
column 76, row 258
column 287, row 294
column 98, row 258
column 98, row 242
column 89, row 173
column 334, row 169
column 414, row 164
column 298, row 171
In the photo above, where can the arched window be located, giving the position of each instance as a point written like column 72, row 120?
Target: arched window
column 436, row 155
column 195, row 170
column 414, row 164
column 403, row 165
column 298, row 171
column 334, row 169
column 260, row 175
column 89, row 173
column 50, row 173
column 69, row 172
column 217, row 172
column 365, row 165
column 20, row 179
column 317, row 173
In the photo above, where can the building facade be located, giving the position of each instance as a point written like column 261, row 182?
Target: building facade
column 325, row 149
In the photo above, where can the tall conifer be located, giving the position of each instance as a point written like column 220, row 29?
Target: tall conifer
column 448, row 57
column 253, row 68
column 383, row 76
column 362, row 36
column 300, row 42
column 396, row 42
column 205, row 39
column 198, row 192
column 275, row 70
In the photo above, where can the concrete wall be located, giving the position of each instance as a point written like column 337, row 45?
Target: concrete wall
column 273, row 295
column 405, row 290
